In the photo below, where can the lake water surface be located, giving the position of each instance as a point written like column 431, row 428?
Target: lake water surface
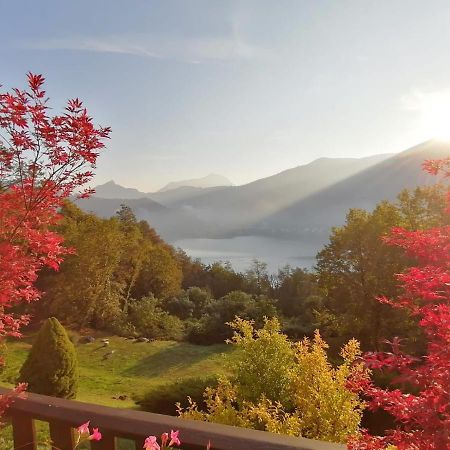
column 241, row 251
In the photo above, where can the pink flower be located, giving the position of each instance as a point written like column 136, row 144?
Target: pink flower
column 174, row 438
column 96, row 435
column 151, row 443
column 164, row 439
column 84, row 429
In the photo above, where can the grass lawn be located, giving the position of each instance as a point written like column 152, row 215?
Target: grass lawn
column 134, row 369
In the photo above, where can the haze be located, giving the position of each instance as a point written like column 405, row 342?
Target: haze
column 241, row 88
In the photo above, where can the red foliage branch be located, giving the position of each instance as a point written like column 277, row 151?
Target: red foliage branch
column 44, row 159
column 422, row 415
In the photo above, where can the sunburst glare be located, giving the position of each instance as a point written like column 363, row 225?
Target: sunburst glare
column 434, row 110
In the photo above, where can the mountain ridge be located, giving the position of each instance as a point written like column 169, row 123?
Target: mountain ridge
column 306, row 200
column 209, row 181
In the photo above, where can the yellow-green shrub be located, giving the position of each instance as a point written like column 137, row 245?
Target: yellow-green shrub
column 285, row 387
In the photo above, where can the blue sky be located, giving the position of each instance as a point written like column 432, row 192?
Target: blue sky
column 241, row 88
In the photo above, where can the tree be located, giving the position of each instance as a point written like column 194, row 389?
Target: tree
column 419, row 400
column 135, row 247
column 357, row 266
column 221, row 279
column 51, row 367
column 293, row 289
column 354, row 268
column 43, row 160
column 160, row 274
column 85, row 291
column 257, row 278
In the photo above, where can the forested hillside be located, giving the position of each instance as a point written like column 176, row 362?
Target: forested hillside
column 124, row 278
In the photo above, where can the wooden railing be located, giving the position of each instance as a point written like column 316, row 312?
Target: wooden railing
column 65, row 415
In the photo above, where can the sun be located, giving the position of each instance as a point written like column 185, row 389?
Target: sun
column 434, row 112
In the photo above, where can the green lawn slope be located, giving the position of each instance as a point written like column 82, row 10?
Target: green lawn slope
column 132, row 370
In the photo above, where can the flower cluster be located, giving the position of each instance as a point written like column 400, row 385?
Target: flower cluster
column 167, row 441
column 84, row 434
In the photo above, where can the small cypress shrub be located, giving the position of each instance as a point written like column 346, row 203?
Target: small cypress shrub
column 51, row 367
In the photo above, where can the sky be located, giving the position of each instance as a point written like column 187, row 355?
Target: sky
column 244, row 88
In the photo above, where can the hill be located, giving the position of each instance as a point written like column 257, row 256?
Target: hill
column 168, row 222
column 318, row 212
column 211, row 180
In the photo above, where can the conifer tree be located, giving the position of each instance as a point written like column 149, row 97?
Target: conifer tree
column 51, row 367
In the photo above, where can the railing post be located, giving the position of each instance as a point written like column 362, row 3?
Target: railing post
column 24, row 433
column 61, row 435
column 107, row 442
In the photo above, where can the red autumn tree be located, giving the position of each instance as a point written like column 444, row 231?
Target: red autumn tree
column 44, row 159
column 419, row 399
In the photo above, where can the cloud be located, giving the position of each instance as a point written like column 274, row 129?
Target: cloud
column 192, row 50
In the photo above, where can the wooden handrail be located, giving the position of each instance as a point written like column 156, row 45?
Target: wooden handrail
column 62, row 415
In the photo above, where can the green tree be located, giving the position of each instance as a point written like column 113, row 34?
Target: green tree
column 160, row 274
column 222, row 279
column 51, row 367
column 356, row 267
column 86, row 291
column 134, row 251
column 298, row 295
column 424, row 207
column 257, row 278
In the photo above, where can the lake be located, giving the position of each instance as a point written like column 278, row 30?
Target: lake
column 241, row 251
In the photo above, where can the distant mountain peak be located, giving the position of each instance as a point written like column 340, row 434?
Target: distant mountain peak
column 209, row 181
column 111, row 189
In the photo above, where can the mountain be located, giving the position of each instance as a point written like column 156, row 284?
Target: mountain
column 299, row 203
column 233, row 209
column 113, row 190
column 182, row 195
column 168, row 222
column 318, row 212
column 168, row 197
column 211, row 180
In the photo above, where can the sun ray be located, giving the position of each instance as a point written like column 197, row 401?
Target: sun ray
column 434, row 111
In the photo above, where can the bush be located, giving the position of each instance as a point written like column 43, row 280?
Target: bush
column 163, row 399
column 288, row 388
column 150, row 321
column 212, row 328
column 203, row 331
column 51, row 367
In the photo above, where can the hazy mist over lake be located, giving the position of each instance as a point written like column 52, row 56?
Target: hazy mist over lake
column 241, row 251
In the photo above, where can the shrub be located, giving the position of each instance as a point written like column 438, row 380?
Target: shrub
column 163, row 400
column 51, row 367
column 288, row 388
column 203, row 331
column 150, row 321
